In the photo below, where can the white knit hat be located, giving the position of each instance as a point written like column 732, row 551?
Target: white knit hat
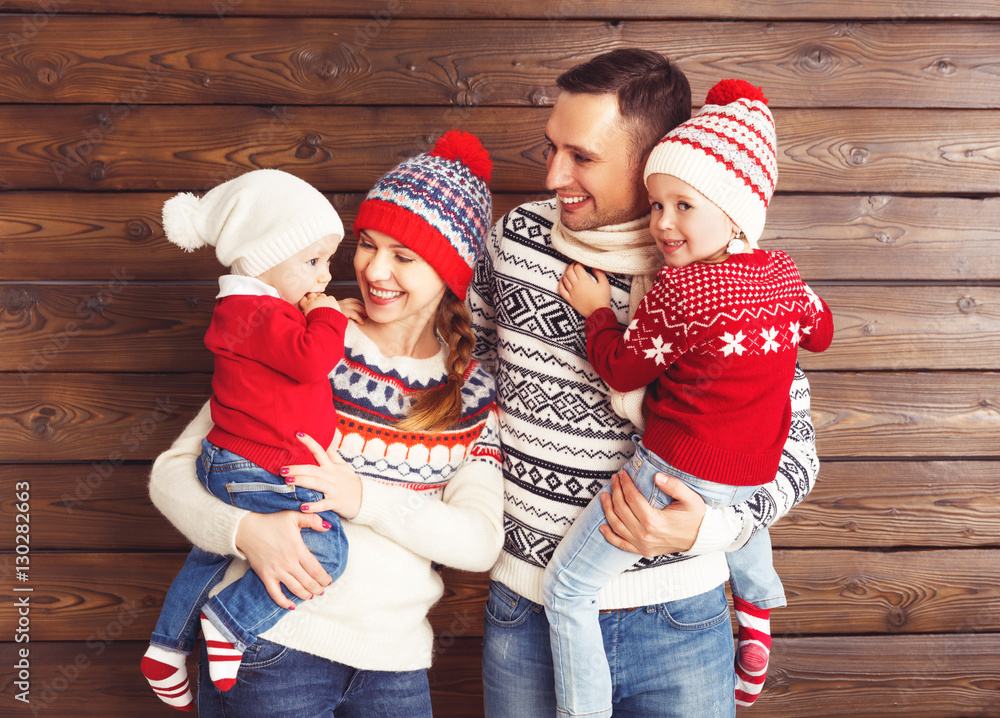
column 728, row 152
column 254, row 222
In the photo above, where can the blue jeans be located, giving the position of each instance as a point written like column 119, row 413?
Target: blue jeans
column 672, row 660
column 279, row 682
column 584, row 562
column 244, row 609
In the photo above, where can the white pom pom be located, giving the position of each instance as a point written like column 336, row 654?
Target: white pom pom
column 735, row 246
column 178, row 215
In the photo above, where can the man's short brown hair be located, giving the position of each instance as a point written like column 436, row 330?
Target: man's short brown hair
column 654, row 95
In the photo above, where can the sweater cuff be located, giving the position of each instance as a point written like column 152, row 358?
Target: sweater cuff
column 719, row 529
column 330, row 316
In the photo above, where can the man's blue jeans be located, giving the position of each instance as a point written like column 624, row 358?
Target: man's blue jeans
column 279, row 682
column 672, row 660
column 585, row 562
column 244, row 609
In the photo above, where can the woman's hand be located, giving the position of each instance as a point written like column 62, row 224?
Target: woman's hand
column 273, row 545
column 353, row 309
column 635, row 526
column 332, row 476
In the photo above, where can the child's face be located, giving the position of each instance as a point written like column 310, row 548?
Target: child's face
column 306, row 271
column 687, row 226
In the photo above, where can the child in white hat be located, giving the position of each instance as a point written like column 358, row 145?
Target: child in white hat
column 716, row 340
column 276, row 337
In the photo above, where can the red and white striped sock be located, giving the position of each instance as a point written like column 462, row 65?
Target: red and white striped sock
column 753, row 646
column 223, row 657
column 166, row 672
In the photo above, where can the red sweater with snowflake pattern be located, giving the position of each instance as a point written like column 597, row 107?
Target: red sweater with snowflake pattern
column 719, row 343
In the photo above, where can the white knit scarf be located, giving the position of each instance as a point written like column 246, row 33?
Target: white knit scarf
column 626, row 248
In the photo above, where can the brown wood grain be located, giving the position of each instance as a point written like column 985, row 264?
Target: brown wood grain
column 855, row 504
column 109, row 147
column 104, row 418
column 101, row 417
column 829, row 592
column 896, row 504
column 157, row 60
column 894, row 11
column 85, row 236
column 135, row 327
column 864, row 677
column 906, row 414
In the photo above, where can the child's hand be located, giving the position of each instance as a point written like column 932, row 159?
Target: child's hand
column 583, row 292
column 353, row 309
column 314, row 300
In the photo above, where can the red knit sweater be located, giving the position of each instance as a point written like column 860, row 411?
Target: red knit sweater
column 272, row 367
column 720, row 341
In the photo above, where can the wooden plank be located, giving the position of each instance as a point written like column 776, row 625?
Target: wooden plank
column 906, row 414
column 86, row 507
column 855, row 504
column 849, row 677
column 105, row 418
column 379, row 10
column 116, row 417
column 829, row 592
column 70, row 236
column 135, row 327
column 104, row 147
column 156, row 60
column 895, row 504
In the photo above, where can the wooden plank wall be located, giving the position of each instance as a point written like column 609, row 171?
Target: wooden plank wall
column 889, row 143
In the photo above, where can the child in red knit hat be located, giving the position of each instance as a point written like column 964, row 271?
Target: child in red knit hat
column 276, row 337
column 715, row 340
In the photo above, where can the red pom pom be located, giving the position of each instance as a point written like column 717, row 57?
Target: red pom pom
column 467, row 149
column 726, row 91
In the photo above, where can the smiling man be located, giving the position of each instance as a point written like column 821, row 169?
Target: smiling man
column 665, row 622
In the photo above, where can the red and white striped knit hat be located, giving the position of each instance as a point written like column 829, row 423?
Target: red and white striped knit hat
column 728, row 152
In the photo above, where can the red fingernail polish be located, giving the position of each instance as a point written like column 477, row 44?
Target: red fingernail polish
column 292, row 607
column 299, row 433
column 305, row 507
column 327, row 524
column 290, row 480
column 283, row 471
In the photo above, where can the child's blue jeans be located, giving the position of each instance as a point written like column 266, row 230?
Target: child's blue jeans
column 244, row 609
column 584, row 562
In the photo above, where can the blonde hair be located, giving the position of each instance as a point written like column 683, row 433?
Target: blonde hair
column 441, row 407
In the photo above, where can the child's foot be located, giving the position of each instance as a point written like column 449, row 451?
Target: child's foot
column 223, row 657
column 753, row 647
column 166, row 672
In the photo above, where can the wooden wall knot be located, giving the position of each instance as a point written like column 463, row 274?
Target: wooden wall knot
column 309, row 147
column 943, row 67
column 538, row 97
column 885, row 238
column 858, row 155
column 41, row 423
column 92, row 305
column 137, row 229
column 98, row 171
column 966, row 305
column 817, row 59
column 47, row 76
column 18, row 300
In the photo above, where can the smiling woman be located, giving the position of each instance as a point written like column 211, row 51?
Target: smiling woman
column 412, row 472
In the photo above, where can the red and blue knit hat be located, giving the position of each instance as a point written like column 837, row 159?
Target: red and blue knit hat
column 438, row 205
column 728, row 152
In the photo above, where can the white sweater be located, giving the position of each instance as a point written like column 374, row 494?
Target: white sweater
column 561, row 440
column 427, row 497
